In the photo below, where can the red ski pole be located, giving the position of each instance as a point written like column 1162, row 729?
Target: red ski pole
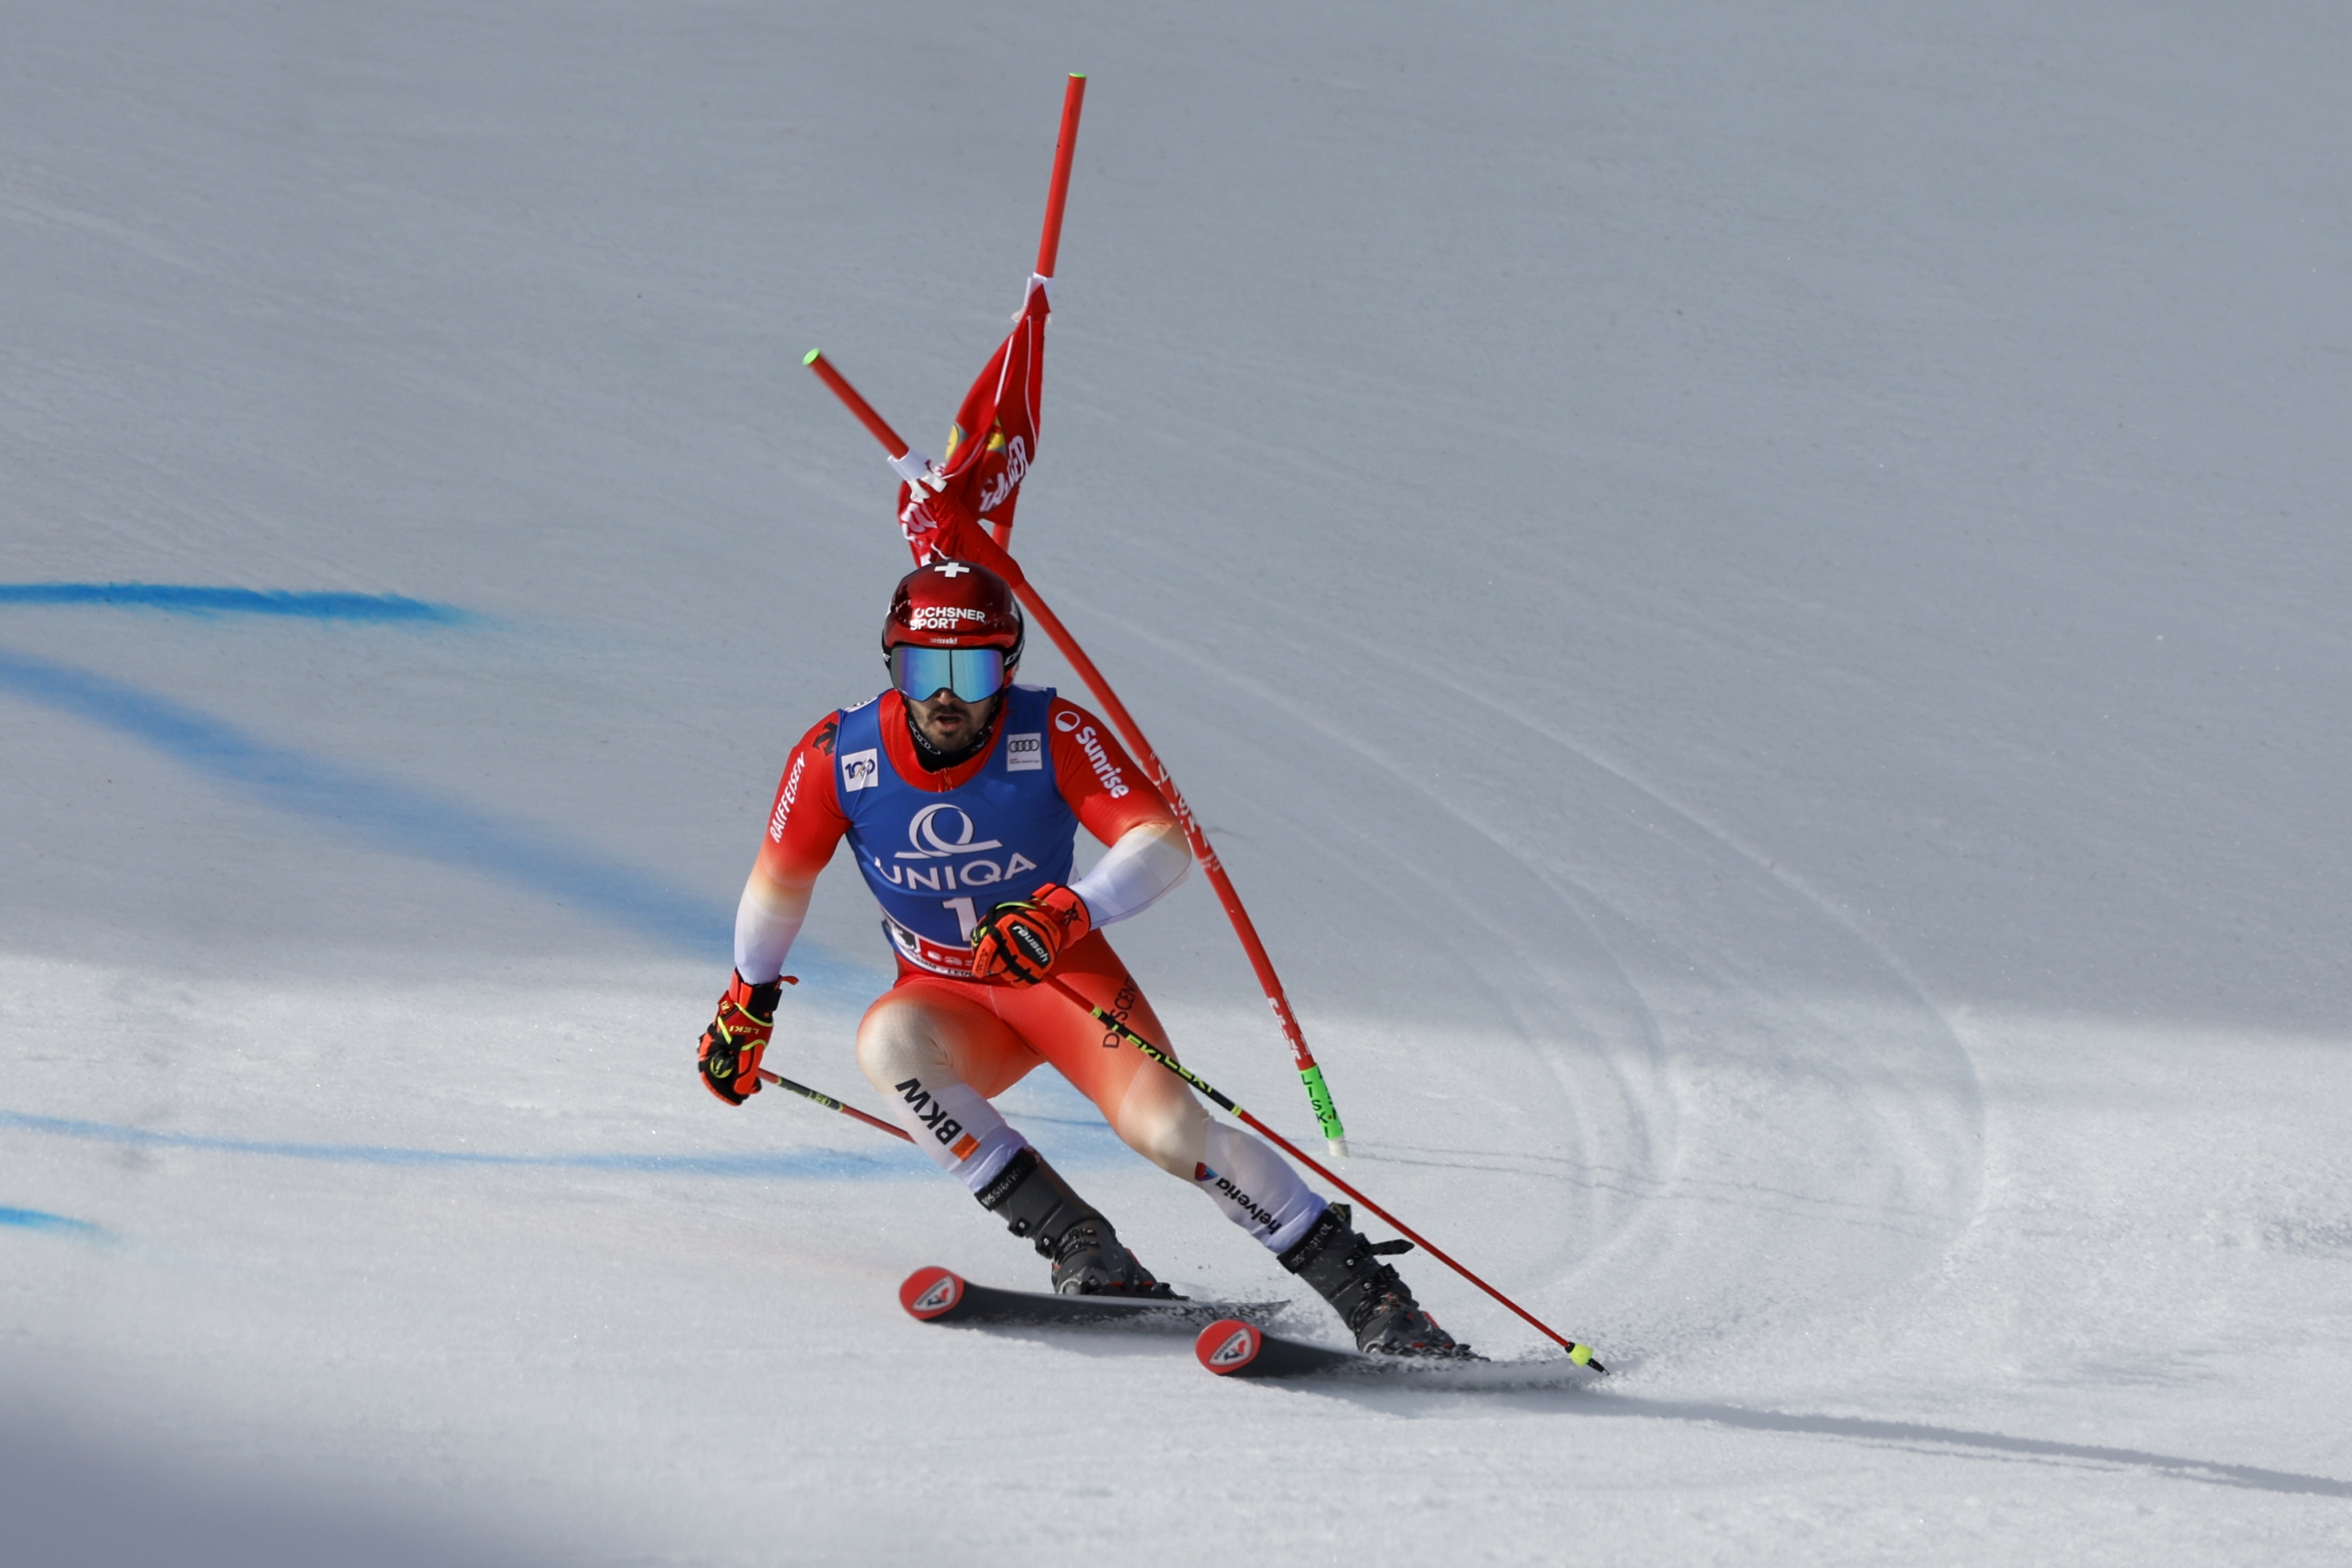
column 1580, row 1353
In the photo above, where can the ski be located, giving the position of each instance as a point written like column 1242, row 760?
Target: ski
column 1231, row 1347
column 937, row 1295
column 1236, row 1347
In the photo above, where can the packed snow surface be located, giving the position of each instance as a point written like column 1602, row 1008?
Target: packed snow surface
column 1755, row 597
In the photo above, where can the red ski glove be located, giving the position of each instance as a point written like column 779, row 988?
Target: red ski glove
column 732, row 1045
column 1018, row 941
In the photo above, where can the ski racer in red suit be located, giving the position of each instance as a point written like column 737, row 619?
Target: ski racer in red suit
column 956, row 787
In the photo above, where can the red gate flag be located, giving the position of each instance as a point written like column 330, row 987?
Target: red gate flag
column 990, row 447
column 945, row 510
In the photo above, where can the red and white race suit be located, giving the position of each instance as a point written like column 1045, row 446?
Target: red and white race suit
column 939, row 1045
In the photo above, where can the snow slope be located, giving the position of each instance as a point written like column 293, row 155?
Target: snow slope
column 1754, row 595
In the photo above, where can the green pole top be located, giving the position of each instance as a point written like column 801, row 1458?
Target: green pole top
column 812, row 356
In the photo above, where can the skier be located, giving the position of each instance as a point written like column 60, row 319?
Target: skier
column 956, row 786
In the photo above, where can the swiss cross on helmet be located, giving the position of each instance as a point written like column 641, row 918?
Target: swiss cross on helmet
column 953, row 627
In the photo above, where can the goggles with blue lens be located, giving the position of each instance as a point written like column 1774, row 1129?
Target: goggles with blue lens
column 973, row 674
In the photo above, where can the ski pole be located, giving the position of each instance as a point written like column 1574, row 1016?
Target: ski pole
column 805, row 1092
column 1580, row 1353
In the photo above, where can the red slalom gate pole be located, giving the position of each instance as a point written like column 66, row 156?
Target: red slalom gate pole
column 1058, row 192
column 1066, row 145
column 1310, row 1072
column 1580, row 1353
column 891, row 442
column 1318, row 1093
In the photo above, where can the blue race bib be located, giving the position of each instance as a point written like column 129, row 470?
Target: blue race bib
column 937, row 860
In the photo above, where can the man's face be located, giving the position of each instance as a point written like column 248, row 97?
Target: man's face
column 950, row 723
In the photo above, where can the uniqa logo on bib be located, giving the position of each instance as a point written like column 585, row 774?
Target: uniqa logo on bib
column 940, row 832
column 930, row 844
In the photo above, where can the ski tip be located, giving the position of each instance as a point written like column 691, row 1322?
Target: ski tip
column 930, row 1294
column 812, row 356
column 1228, row 1345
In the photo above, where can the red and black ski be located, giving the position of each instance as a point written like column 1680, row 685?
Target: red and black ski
column 1236, row 1347
column 1233, row 1347
column 942, row 1296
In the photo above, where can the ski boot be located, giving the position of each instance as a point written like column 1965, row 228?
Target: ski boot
column 1087, row 1256
column 1347, row 1271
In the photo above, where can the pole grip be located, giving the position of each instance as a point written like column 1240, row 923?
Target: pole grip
column 1049, row 242
column 874, row 422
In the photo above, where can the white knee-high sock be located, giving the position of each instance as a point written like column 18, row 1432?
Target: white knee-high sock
column 1255, row 1187
column 960, row 1131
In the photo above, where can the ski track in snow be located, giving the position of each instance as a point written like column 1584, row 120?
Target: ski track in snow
column 1903, row 1092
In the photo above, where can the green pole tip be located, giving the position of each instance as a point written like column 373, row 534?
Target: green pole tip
column 1077, row 75
column 812, row 356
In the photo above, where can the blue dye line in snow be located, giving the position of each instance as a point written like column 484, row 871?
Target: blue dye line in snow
column 801, row 1163
column 37, row 1219
column 385, row 816
column 190, row 600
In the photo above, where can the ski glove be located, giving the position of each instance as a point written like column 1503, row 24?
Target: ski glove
column 732, row 1047
column 1017, row 942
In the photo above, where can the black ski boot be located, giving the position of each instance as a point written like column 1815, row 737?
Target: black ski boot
column 1347, row 1271
column 1088, row 1255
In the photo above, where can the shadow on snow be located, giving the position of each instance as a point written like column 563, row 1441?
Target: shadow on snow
column 1542, row 1387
